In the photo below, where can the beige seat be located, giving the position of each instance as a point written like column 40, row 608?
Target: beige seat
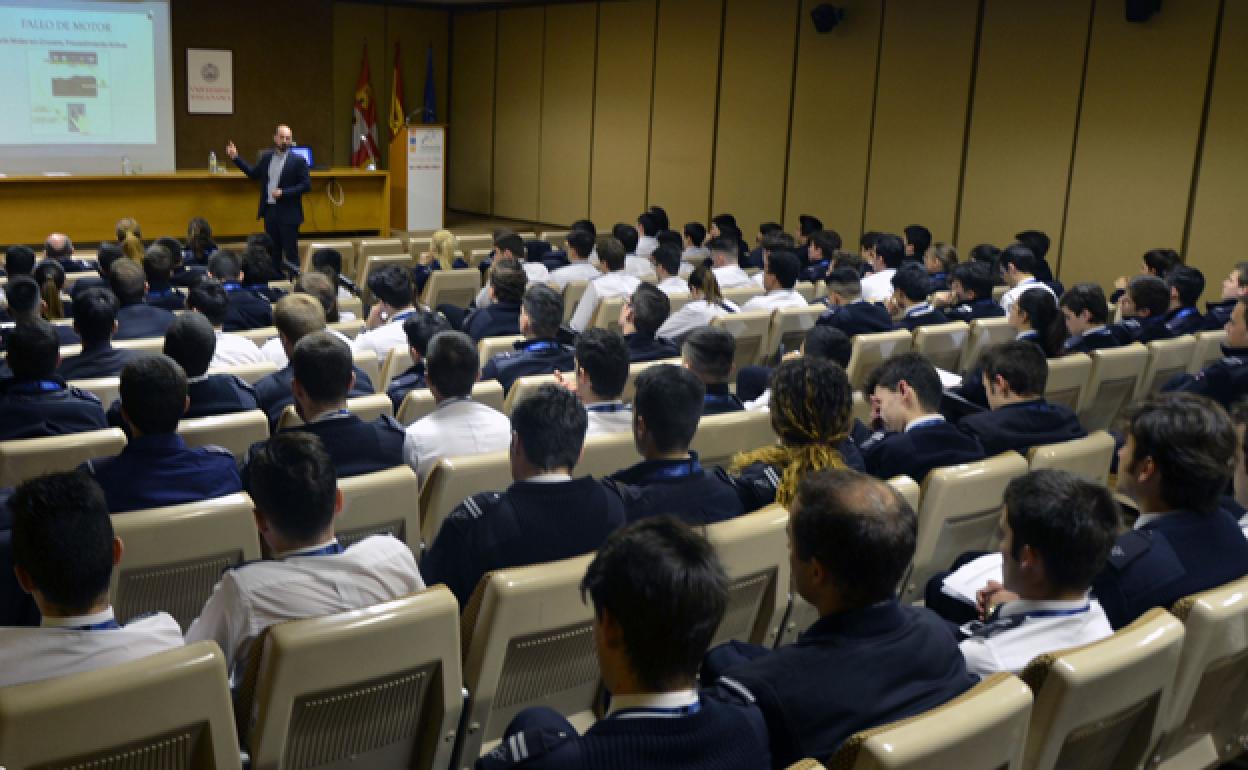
column 634, row 369
column 173, row 556
column 754, row 551
column 807, row 289
column 1208, row 349
column 607, row 314
column 862, row 408
column 367, row 361
column 752, row 331
column 1115, row 374
column 419, row 245
column 345, row 248
column 455, row 478
column 350, row 329
column 488, row 347
column 572, row 294
column 720, row 436
column 870, row 350
column 398, row 360
column 806, row 764
column 142, row 345
column 607, row 453
column 1068, row 376
column 942, row 343
column 789, row 326
column 371, row 247
column 169, row 710
column 742, row 294
column 452, row 287
column 367, row 408
column 367, row 267
column 1166, row 358
column 909, row 490
column 106, row 389
column 527, row 642
column 984, row 333
column 259, row 336
column 1089, row 457
column 236, row 432
column 555, row 238
column 998, row 292
column 677, row 302
column 469, row 241
column 397, row 705
column 420, row 403
column 380, row 502
column 477, row 256
column 25, row 458
column 1101, row 705
column 1208, row 714
column 248, row 373
column 524, row 387
column 959, row 512
column 353, row 305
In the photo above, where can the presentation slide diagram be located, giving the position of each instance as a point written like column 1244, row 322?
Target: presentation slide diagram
column 69, row 93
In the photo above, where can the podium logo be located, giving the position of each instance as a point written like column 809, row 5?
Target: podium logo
column 209, row 72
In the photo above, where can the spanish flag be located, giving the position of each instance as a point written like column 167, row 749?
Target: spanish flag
column 364, row 119
column 398, row 114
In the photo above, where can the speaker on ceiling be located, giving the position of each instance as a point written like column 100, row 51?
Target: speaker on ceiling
column 826, row 16
column 1140, row 11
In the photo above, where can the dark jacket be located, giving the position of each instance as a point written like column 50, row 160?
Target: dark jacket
column 293, row 181
column 141, row 321
column 357, row 447
column 1142, row 330
column 1185, row 320
column 46, row 407
column 210, row 395
column 1225, row 380
column 273, row 391
column 499, row 319
column 166, row 298
column 926, row 317
column 542, row 356
column 1218, row 313
column 247, row 310
column 680, row 488
column 411, row 379
column 642, row 348
column 159, row 470
column 720, row 400
column 917, row 451
column 1099, row 339
column 100, row 360
column 1022, row 426
column 858, row 318
column 971, row 311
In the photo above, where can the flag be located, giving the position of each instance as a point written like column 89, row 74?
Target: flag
column 430, row 112
column 364, row 119
column 398, row 113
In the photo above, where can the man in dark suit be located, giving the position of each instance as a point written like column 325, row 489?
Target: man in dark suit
column 910, row 289
column 283, row 178
column 136, row 319
column 95, row 321
column 848, row 311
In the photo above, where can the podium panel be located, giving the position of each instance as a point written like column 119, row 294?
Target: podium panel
column 418, row 178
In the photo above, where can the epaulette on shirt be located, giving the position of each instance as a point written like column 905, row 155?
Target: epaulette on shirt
column 474, row 507
column 979, row 630
column 1129, row 547
column 217, row 450
column 85, row 395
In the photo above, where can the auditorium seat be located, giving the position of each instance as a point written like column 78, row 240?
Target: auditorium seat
column 367, row 361
column 1115, row 374
column 720, row 436
column 752, row 330
column 477, row 256
column 754, row 551
column 236, row 432
column 572, row 294
column 1208, row 349
column 1068, row 376
column 524, row 387
column 350, row 329
column 1166, row 358
column 636, row 368
column 373, row 264
column 282, row 286
column 806, row 764
column 25, row 458
column 353, row 305
column 248, row 373
column 909, row 490
column 959, row 512
column 451, row 287
column 488, row 347
column 998, row 292
column 861, row 408
column 1101, row 705
column 984, row 728
column 469, row 241
column 984, row 333
column 528, row 641
column 398, row 360
column 455, row 478
column 106, row 389
column 173, row 556
column 142, row 345
column 789, row 326
column 807, row 290
column 557, row 238
column 742, row 294
column 942, row 343
column 677, row 302
column 1089, row 457
column 605, row 454
column 397, row 705
column 870, row 350
column 345, row 248
column 381, row 502
column 419, row 245
column 607, row 314
column 169, row 710
column 259, row 335
column 374, row 247
column 420, row 403
column 367, row 408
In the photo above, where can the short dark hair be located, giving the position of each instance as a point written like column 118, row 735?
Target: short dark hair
column 258, row 264
column 868, row 239
column 986, row 253
column 919, row 237
column 126, row 280
column 1021, row 257
column 210, row 298
column 651, row 307
column 612, row 253
column 723, row 245
column 1071, row 524
column 1161, row 261
column 975, row 277
column 1087, row 296
column 327, row 258
column 421, row 326
column 95, row 313
column 862, row 532
column 668, row 258
column 323, row 365
column 663, row 583
column 224, row 265
column 63, row 538
column 912, row 281
column 918, row 373
column 452, row 363
column 661, row 222
column 777, row 240
column 172, row 246
column 34, row 350
column 627, row 236
column 1148, row 292
column 1035, row 240
column 24, row 296
column 670, row 399
column 261, row 241
column 1192, row 443
column 672, row 239
column 544, row 307
column 771, row 228
column 725, row 220
column 604, row 357
column 646, row 223
column 695, row 232
column 828, row 343
column 292, row 481
column 580, row 241
column 785, row 266
column 550, row 425
column 19, row 260
column 585, row 225
column 844, row 280
column 1188, row 282
column 827, row 241
column 191, row 341
column 1020, row 363
column 891, row 249
column 512, row 244
column 508, row 280
column 158, row 264
column 153, row 392
column 710, row 352
column 808, row 225
column 392, row 285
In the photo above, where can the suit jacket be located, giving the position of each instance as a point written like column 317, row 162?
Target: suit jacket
column 355, row 447
column 1022, row 426
column 273, row 391
column 293, row 182
column 917, row 451
column 141, row 321
column 858, row 318
column 101, row 360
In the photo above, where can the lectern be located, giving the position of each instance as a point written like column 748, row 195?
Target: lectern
column 418, row 178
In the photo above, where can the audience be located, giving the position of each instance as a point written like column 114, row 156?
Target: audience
column 26, row 306
column 1018, row 265
column 1038, row 243
column 911, row 285
column 780, row 274
column 693, row 235
column 245, row 309
column 580, row 245
column 939, row 261
column 636, row 265
column 158, row 264
column 502, row 316
column 1225, row 380
column 821, row 248
column 191, row 342
column 823, row 342
column 918, row 240
column 1144, row 306
column 848, row 311
column 419, row 329
column 1035, row 316
column 540, row 352
column 641, row 317
column 615, row 282
column 725, row 258
column 1086, row 313
column 885, row 256
column 135, row 318
column 392, row 288
column 95, row 322
column 671, row 271
column 601, row 372
column 709, row 352
column 210, row 299
column 647, row 229
column 317, row 285
column 705, row 304
column 35, row 402
column 970, row 284
column 1186, row 284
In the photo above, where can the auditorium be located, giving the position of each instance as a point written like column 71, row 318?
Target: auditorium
column 562, row 384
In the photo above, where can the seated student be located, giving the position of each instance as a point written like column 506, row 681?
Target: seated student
column 579, row 268
column 668, row 268
column 459, row 425
column 502, row 316
column 513, row 247
column 507, row 245
column 19, row 260
column 317, row 285
column 637, row 265
column 1015, row 374
column 440, row 256
column 693, row 240
column 918, row 240
column 156, row 468
column 419, row 329
column 1039, row 244
column 329, row 263
column 26, row 305
column 725, row 253
column 1144, row 306
column 294, row 488
column 158, row 265
column 59, row 248
column 771, row 240
column 939, row 261
column 822, row 342
column 641, row 317
column 1086, row 313
column 670, row 480
column 821, row 248
column 199, row 243
column 659, row 593
column 257, row 264
column 884, row 257
column 1186, row 284
column 297, row 316
column 544, row 516
column 540, row 352
column 191, row 342
column 848, row 311
column 1156, row 262
column 648, row 227
column 246, row 309
column 615, row 282
column 709, row 352
column 95, row 321
column 910, row 290
column 135, row 318
column 970, row 285
column 1234, row 286
column 779, row 277
column 598, row 377
column 104, row 258
column 35, row 402
column 392, row 286
column 705, row 303
column 1225, row 380
column 868, row 660
column 210, row 299
column 905, row 396
column 1035, row 317
column 1018, row 265
column 64, row 551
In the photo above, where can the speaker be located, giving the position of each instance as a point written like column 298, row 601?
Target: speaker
column 826, row 16
column 1140, row 11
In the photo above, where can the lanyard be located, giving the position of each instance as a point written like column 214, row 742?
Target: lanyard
column 538, row 347
column 720, row 398
column 161, row 293
column 35, row 386
column 922, row 307
column 684, row 469
column 332, row 549
column 665, row 713
column 616, row 407
column 230, row 286
column 403, row 316
column 106, row 625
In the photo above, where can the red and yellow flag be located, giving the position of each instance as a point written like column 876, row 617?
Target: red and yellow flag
column 364, row 146
column 398, row 113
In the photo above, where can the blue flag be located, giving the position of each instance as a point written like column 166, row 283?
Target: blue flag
column 430, row 112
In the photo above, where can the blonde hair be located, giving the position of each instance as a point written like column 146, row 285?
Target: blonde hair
column 132, row 247
column 442, row 247
column 298, row 315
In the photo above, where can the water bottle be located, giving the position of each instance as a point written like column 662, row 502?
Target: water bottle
column 212, row 162
column 127, row 169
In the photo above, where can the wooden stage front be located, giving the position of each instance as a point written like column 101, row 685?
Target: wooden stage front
column 87, row 207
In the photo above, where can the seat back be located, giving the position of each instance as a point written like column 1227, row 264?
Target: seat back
column 477, row 256
column 396, row 706
column 367, row 408
column 634, row 369
column 861, row 408
column 1208, row 349
column 173, row 556
column 106, row 389
column 984, row 333
column 489, row 347
column 367, row 266
column 1068, row 376
column 452, row 287
column 25, row 458
column 807, row 289
column 248, row 373
column 236, row 432
column 605, row 454
column 371, row 247
column 572, row 293
column 1089, row 457
column 454, row 478
column 524, row 387
column 740, row 295
column 527, row 641
column 909, row 490
column 942, row 343
column 346, row 248
column 870, row 350
column 350, row 328
column 380, row 503
column 1166, row 358
column 169, row 711
column 752, row 331
column 1101, row 705
column 607, row 314
column 960, row 508
column 789, row 326
column 367, row 361
column 754, row 551
column 556, row 238
column 398, row 360
column 142, row 345
column 419, row 403
column 1115, row 374
column 720, row 436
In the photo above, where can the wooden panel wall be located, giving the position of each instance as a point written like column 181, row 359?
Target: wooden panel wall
column 518, row 105
column 567, row 127
column 470, row 154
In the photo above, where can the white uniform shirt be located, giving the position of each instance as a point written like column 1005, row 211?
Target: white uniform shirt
column 250, row 598
column 1045, row 626
column 731, row 277
column 384, row 338
column 616, row 284
column 536, row 272
column 235, row 350
column 1027, row 284
column 878, row 287
column 62, row 646
column 577, row 271
column 674, row 287
column 695, row 254
column 757, row 279
column 776, row 299
column 609, row 417
column 273, row 350
column 646, row 244
column 459, row 426
column 638, row 266
column 693, row 315
column 760, row 404
column 686, row 270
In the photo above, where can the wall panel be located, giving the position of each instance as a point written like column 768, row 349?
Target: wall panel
column 920, row 114
column 567, row 124
column 416, row 29
column 1142, row 105
column 470, row 156
column 356, row 26
column 518, row 109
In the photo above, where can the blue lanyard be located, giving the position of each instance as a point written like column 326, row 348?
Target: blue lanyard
column 720, row 398
column 36, row 386
column 107, row 625
column 161, row 293
column 1056, row 613
column 231, row 286
column 685, row 469
column 607, row 408
column 538, row 347
column 1179, row 315
column 332, row 549
column 642, row 713
column 403, row 316
column 922, row 307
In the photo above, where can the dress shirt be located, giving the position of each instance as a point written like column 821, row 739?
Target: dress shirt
column 276, row 162
column 1027, row 284
column 607, row 417
column 614, row 284
column 384, row 338
column 273, row 350
column 674, row 286
column 878, row 287
column 1023, row 629
column 638, row 266
column 458, row 426
column 775, row 299
column 536, row 272
column 646, row 245
column 577, row 271
column 693, row 315
column 237, row 350
column 652, row 701
column 731, row 277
